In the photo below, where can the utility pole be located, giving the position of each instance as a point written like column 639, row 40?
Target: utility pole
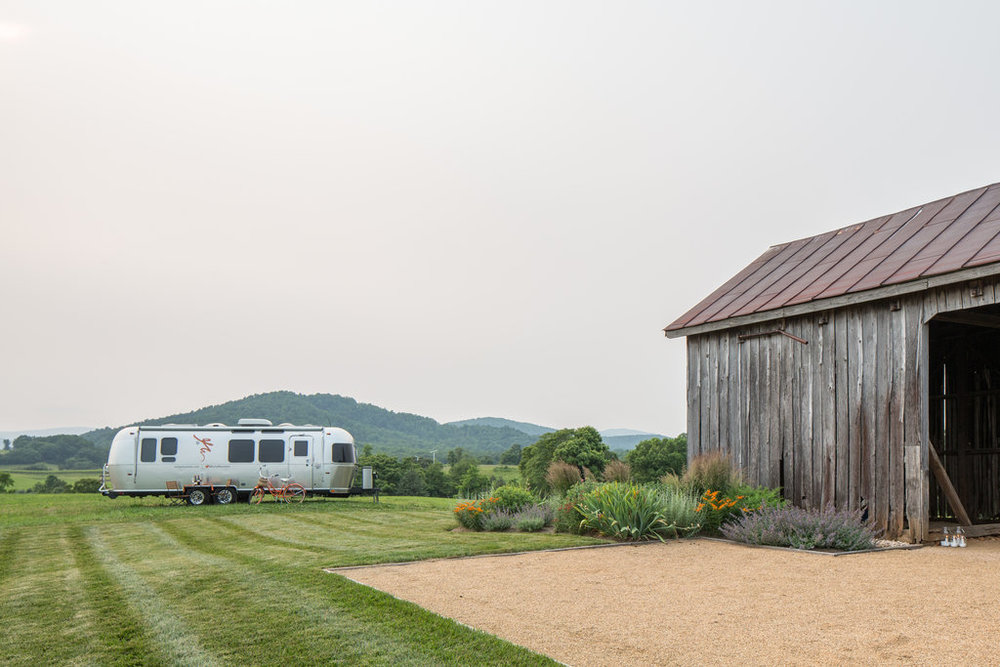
column 434, row 455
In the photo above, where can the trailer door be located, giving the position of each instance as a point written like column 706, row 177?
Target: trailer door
column 300, row 460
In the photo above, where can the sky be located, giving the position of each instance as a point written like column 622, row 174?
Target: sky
column 456, row 209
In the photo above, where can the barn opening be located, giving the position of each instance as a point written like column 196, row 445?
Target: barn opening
column 964, row 411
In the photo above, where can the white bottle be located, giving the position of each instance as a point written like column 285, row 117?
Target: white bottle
column 960, row 536
column 946, row 540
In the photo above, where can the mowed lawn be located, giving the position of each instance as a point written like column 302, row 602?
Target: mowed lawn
column 89, row 580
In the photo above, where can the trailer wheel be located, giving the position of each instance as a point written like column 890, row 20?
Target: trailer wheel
column 225, row 495
column 197, row 497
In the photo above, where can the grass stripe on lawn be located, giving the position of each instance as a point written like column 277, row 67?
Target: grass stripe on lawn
column 162, row 620
column 321, row 617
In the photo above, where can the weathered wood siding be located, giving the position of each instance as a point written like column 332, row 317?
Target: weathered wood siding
column 839, row 421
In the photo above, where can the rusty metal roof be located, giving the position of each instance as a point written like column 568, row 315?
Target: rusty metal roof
column 943, row 236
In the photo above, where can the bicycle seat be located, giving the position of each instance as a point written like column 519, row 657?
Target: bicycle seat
column 285, row 480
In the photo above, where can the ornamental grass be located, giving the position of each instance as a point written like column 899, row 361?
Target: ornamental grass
column 630, row 512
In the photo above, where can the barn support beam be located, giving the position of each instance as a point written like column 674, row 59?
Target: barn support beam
column 941, row 475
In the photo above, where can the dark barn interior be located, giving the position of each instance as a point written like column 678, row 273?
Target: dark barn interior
column 964, row 410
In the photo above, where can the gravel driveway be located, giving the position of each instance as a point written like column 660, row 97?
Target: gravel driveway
column 699, row 602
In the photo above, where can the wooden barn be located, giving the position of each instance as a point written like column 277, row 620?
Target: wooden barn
column 860, row 368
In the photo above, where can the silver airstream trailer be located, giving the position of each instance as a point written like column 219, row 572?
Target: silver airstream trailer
column 222, row 464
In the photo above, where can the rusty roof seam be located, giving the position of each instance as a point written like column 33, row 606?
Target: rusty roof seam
column 835, row 243
column 857, row 228
column 957, row 218
column 943, row 229
column 940, row 231
column 722, row 303
column 790, row 272
column 983, row 245
column 896, row 231
column 763, row 283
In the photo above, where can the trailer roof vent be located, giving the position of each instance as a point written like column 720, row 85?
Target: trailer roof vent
column 255, row 422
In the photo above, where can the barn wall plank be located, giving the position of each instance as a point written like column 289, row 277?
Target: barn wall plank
column 856, row 399
column 880, row 448
column 694, row 396
column 829, row 406
column 897, row 354
column 842, row 422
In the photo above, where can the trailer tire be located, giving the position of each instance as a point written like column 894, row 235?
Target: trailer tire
column 197, row 497
column 225, row 495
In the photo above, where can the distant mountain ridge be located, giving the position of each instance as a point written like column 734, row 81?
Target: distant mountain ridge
column 614, row 438
column 498, row 422
column 388, row 432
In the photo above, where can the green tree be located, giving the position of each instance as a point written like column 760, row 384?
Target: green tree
column 412, row 482
column 585, row 449
column 52, row 484
column 438, row 483
column 6, row 444
column 652, row 459
column 6, row 481
column 473, row 482
column 455, row 455
column 388, row 468
column 535, row 459
column 512, row 456
column 86, row 485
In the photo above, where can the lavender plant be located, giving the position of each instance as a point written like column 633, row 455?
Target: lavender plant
column 802, row 529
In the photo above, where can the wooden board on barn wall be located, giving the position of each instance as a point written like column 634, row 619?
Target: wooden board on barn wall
column 898, row 360
column 883, row 433
column 693, row 397
column 841, row 420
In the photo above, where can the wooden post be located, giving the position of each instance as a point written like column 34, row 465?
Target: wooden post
column 941, row 475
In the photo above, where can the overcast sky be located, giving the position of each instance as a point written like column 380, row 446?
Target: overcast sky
column 457, row 209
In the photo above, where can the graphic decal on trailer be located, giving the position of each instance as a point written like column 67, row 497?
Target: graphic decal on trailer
column 206, row 446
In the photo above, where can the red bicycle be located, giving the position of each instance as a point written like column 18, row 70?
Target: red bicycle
column 288, row 492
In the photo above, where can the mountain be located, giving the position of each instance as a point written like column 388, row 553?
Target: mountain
column 615, row 438
column 498, row 422
column 388, row 432
column 627, row 441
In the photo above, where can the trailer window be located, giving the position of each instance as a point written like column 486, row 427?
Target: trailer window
column 271, row 451
column 302, row 448
column 168, row 449
column 240, row 451
column 343, row 453
column 147, row 454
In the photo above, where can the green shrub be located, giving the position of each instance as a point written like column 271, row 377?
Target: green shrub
column 632, row 512
column 715, row 508
column 469, row 514
column 512, row 498
column 567, row 519
column 530, row 524
column 497, row 520
column 802, row 529
column 533, row 518
column 711, row 471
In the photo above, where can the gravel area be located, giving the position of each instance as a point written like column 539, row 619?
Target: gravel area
column 705, row 602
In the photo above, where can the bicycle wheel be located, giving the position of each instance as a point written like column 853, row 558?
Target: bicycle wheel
column 257, row 495
column 295, row 493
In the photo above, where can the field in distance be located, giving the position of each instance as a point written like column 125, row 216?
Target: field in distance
column 99, row 581
column 25, row 479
